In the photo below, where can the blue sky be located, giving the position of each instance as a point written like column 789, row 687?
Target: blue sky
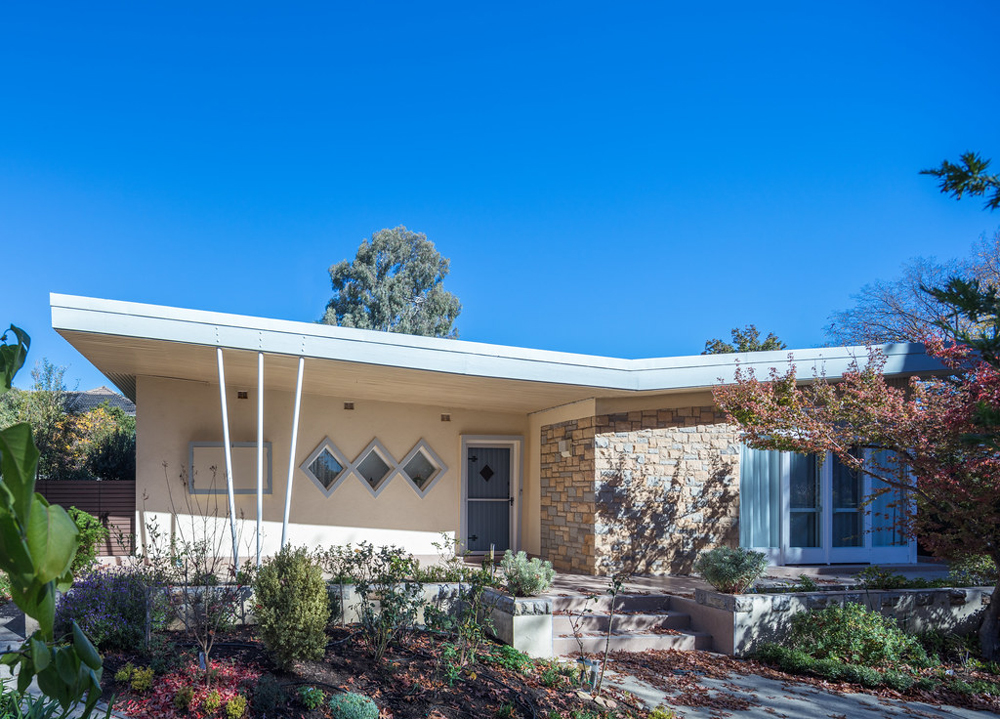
column 620, row 179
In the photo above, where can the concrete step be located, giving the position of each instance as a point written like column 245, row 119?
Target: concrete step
column 686, row 640
column 628, row 622
column 602, row 603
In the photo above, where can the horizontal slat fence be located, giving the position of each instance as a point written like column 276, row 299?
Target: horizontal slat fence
column 111, row 502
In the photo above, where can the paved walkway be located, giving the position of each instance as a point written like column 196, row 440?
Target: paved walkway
column 773, row 699
column 684, row 586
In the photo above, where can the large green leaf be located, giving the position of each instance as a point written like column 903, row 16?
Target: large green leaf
column 18, row 464
column 85, row 649
column 52, row 540
column 12, row 356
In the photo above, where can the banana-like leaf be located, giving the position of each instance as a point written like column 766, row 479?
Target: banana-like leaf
column 18, row 464
column 85, row 649
column 12, row 356
column 52, row 540
column 40, row 655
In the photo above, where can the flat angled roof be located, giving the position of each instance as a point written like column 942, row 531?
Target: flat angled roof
column 122, row 339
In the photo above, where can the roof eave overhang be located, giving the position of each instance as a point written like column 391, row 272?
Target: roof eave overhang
column 73, row 314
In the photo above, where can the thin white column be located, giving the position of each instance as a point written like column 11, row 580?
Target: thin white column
column 260, row 447
column 229, row 456
column 291, row 453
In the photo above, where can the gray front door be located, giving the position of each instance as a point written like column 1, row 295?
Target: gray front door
column 489, row 499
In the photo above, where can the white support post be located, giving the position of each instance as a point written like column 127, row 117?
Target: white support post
column 260, row 447
column 291, row 453
column 229, row 457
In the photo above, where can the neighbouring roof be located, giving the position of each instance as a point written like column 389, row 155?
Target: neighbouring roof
column 80, row 402
column 125, row 340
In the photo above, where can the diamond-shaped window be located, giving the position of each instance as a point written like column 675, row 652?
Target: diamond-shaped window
column 422, row 467
column 326, row 466
column 375, row 466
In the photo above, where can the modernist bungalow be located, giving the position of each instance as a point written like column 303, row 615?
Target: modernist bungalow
column 339, row 435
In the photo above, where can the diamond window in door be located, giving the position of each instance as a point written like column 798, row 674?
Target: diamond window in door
column 326, row 466
column 374, row 466
column 422, row 468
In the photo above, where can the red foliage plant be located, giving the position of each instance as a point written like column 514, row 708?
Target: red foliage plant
column 225, row 677
column 931, row 429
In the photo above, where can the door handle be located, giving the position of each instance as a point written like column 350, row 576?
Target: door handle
column 511, row 501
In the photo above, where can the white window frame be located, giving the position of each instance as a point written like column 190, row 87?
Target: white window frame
column 376, row 446
column 345, row 471
column 422, row 447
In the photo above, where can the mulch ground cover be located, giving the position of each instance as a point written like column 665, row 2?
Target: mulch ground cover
column 410, row 683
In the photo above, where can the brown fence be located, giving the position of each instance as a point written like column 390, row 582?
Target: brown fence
column 111, row 502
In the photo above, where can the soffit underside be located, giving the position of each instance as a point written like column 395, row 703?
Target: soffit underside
column 123, row 357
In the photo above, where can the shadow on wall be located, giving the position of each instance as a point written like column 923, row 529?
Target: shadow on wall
column 652, row 519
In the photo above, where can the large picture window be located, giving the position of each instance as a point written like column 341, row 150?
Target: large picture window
column 799, row 510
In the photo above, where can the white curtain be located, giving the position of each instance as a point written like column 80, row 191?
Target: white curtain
column 760, row 498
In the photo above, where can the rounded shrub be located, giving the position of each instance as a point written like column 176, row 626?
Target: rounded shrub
column 853, row 634
column 526, row 577
column 353, row 706
column 731, row 571
column 110, row 606
column 92, row 533
column 292, row 606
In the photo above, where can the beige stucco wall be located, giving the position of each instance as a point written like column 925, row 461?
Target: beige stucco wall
column 172, row 413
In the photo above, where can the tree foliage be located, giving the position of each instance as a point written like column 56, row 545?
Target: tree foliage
column 394, row 284
column 901, row 310
column 99, row 443
column 968, row 176
column 744, row 340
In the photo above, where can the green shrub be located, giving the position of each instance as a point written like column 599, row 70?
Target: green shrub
column 977, row 570
column 897, row 680
column 211, row 702
column 268, row 696
column 526, row 578
column 830, row 669
column 853, row 634
column 92, row 533
column 927, row 684
column 554, row 674
column 389, row 598
column 311, row 697
column 292, row 606
column 353, row 706
column 865, row 676
column 113, row 456
column 236, row 707
column 509, row 658
column 875, row 577
column 183, row 698
column 142, row 679
column 5, row 595
column 731, row 571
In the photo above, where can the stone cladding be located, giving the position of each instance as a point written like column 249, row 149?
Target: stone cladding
column 638, row 492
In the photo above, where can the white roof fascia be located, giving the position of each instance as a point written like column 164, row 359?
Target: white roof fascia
column 215, row 329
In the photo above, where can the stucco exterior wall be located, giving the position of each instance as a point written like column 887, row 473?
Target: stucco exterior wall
column 642, row 491
column 173, row 413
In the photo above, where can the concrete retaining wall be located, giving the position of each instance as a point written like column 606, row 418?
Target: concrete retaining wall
column 741, row 622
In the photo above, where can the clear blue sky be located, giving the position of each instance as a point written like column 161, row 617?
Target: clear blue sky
column 607, row 178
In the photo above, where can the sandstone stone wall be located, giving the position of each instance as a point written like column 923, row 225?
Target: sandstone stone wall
column 641, row 492
column 567, row 495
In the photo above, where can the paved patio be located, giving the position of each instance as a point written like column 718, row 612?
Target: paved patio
column 684, row 586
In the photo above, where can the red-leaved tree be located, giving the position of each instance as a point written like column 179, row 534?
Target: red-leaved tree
column 941, row 452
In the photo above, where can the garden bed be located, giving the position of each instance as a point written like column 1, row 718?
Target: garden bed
column 414, row 680
column 740, row 623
